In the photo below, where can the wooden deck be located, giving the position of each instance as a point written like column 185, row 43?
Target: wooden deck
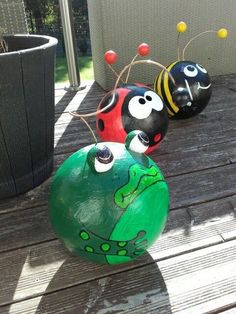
column 190, row 269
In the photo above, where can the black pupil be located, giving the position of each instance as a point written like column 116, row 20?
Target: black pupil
column 104, row 155
column 142, row 101
column 149, row 98
column 191, row 68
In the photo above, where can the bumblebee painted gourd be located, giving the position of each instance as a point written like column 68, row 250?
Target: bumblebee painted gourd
column 108, row 202
column 191, row 93
column 133, row 107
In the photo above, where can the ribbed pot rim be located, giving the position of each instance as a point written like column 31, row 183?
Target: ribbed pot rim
column 51, row 42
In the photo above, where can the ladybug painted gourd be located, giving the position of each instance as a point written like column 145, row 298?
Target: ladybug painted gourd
column 133, row 107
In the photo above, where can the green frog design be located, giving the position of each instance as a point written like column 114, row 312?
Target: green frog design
column 108, row 201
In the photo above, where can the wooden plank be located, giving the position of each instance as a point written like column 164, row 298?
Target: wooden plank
column 222, row 97
column 185, row 161
column 192, row 190
column 209, row 278
column 219, row 214
column 222, row 116
column 19, row 229
column 174, row 141
column 63, row 103
column 215, row 127
column 231, row 311
column 183, row 228
column 86, row 99
column 196, row 159
column 222, row 93
column 15, row 226
column 187, row 135
column 33, row 198
column 42, row 260
column 196, row 282
column 199, row 187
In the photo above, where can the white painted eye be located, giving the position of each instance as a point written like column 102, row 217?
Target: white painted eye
column 201, row 68
column 104, row 159
column 137, row 141
column 139, row 107
column 190, row 71
column 154, row 100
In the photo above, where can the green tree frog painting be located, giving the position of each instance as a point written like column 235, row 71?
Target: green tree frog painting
column 108, row 201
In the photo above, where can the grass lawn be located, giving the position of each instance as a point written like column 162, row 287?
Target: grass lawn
column 85, row 66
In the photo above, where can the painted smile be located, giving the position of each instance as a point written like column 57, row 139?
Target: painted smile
column 139, row 180
column 203, row 87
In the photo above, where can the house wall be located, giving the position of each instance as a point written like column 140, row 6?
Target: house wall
column 121, row 25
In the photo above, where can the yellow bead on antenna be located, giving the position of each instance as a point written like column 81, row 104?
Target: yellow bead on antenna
column 222, row 33
column 181, row 27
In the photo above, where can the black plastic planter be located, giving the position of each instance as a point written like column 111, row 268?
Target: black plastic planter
column 26, row 113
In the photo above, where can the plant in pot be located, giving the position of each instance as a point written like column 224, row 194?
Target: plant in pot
column 3, row 44
column 26, row 111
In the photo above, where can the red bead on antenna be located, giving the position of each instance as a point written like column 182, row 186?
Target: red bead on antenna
column 143, row 49
column 110, row 56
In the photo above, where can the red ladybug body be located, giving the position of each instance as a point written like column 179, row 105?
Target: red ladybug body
column 132, row 107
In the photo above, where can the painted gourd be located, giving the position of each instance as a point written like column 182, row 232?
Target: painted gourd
column 192, row 89
column 109, row 202
column 191, row 93
column 133, row 107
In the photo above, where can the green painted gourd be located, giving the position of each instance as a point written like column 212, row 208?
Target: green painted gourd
column 109, row 202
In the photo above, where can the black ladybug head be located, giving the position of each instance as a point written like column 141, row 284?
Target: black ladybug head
column 143, row 109
column 193, row 87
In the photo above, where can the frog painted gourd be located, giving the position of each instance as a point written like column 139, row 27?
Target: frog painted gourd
column 109, row 202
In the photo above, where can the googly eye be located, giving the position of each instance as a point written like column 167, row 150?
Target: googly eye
column 100, row 158
column 190, row 71
column 154, row 100
column 137, row 141
column 201, row 68
column 139, row 107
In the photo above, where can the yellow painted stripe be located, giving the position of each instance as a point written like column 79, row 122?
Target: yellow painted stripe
column 167, row 90
column 158, row 88
column 170, row 113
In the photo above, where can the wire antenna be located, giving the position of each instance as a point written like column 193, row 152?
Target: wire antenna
column 181, row 28
column 221, row 33
column 87, row 124
column 143, row 50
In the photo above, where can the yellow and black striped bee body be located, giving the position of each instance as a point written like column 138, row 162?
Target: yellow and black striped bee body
column 191, row 92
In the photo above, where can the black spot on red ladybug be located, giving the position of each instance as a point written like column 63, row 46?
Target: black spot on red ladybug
column 101, row 125
column 111, row 99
